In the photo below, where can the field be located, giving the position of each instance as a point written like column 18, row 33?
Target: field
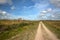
column 54, row 26
column 25, row 29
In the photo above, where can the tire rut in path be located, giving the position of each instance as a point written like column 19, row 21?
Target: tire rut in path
column 43, row 33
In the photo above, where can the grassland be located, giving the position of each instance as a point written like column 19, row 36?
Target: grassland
column 10, row 28
column 54, row 26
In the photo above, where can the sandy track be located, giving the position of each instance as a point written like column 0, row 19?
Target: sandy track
column 43, row 33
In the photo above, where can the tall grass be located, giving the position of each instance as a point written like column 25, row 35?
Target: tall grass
column 54, row 26
column 9, row 30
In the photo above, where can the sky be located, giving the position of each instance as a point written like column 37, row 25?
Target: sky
column 30, row 9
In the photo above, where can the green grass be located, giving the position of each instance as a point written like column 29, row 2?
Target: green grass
column 22, row 28
column 54, row 26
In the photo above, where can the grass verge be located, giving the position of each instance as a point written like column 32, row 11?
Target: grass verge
column 53, row 26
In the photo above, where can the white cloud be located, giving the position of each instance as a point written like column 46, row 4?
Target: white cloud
column 6, row 15
column 42, row 14
column 13, row 7
column 50, row 14
column 55, row 2
column 2, row 12
column 49, row 9
column 44, row 11
column 3, row 1
column 40, row 6
column 53, row 16
column 6, row 1
column 9, row 2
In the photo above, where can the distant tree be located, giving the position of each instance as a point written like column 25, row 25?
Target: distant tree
column 19, row 18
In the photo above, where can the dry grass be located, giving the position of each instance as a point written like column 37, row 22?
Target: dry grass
column 25, row 29
column 54, row 26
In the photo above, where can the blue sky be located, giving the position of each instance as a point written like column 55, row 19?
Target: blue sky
column 30, row 9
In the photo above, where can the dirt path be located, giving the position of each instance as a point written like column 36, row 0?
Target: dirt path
column 44, row 33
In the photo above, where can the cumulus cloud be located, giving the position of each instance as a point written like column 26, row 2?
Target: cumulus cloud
column 6, row 15
column 3, row 1
column 40, row 6
column 2, row 13
column 55, row 15
column 49, row 9
column 55, row 2
column 50, row 14
column 44, row 11
column 13, row 8
column 42, row 15
column 9, row 2
column 6, row 1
